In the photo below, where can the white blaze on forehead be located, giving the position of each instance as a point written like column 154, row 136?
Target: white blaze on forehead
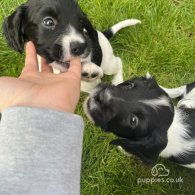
column 156, row 103
column 71, row 36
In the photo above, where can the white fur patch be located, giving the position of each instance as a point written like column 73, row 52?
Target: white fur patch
column 71, row 36
column 156, row 103
column 88, row 87
column 148, row 75
column 91, row 69
column 123, row 151
column 179, row 142
column 188, row 101
column 57, row 68
column 191, row 166
column 175, row 92
column 123, row 24
column 111, row 65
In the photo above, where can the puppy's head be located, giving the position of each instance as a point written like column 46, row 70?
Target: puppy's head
column 59, row 30
column 138, row 111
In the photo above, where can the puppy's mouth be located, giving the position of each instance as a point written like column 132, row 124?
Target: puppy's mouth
column 92, row 108
column 65, row 64
column 87, row 109
column 91, row 105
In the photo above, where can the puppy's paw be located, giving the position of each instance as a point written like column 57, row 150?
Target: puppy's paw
column 91, row 72
column 123, row 151
column 186, row 103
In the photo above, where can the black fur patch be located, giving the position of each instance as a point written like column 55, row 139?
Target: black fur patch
column 189, row 87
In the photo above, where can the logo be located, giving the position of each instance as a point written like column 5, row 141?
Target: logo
column 160, row 175
column 159, row 170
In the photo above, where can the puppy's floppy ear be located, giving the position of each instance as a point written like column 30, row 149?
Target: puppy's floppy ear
column 147, row 148
column 93, row 35
column 88, row 26
column 13, row 29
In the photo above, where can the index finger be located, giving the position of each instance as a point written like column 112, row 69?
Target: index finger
column 75, row 67
column 31, row 61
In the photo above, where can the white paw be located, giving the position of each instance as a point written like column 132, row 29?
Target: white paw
column 186, row 103
column 91, row 72
column 123, row 151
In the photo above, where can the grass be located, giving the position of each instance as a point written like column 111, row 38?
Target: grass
column 163, row 45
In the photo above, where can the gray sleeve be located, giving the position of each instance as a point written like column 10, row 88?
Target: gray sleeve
column 40, row 152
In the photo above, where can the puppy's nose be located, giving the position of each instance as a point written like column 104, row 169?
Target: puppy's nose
column 77, row 48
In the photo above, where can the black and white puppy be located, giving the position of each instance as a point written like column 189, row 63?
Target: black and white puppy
column 142, row 115
column 61, row 31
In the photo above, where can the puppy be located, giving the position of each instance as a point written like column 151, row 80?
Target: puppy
column 61, row 31
column 142, row 115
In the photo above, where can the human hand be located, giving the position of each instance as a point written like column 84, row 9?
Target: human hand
column 41, row 89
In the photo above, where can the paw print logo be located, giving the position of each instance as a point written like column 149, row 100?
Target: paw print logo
column 159, row 170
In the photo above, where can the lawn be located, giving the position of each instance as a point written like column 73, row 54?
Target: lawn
column 164, row 45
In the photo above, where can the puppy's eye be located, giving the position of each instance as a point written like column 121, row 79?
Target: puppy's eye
column 134, row 121
column 49, row 22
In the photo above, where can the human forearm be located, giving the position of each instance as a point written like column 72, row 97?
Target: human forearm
column 40, row 152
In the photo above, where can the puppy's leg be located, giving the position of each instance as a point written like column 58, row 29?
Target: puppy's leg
column 113, row 66
column 123, row 151
column 118, row 75
column 186, row 103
